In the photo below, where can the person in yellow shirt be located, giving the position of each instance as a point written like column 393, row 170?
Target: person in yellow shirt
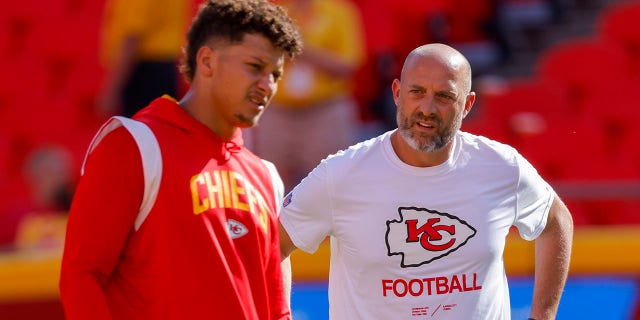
column 140, row 45
column 314, row 113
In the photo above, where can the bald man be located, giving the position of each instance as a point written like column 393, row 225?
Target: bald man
column 418, row 216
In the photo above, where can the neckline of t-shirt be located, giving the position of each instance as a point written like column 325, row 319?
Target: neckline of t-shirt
column 395, row 161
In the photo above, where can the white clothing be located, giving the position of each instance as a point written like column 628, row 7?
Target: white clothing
column 418, row 243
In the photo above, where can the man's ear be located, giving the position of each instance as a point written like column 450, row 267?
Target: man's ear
column 395, row 89
column 205, row 58
column 468, row 103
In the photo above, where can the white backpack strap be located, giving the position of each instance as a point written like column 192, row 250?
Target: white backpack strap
column 149, row 153
column 278, row 185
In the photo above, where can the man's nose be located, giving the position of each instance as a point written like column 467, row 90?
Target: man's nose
column 268, row 85
column 427, row 105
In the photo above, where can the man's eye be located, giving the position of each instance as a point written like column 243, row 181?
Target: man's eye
column 447, row 100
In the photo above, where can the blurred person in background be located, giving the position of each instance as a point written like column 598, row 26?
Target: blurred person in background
column 381, row 64
column 140, row 47
column 173, row 218
column 418, row 216
column 314, row 113
column 38, row 220
column 470, row 27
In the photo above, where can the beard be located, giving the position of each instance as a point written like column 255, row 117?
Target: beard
column 423, row 142
column 247, row 121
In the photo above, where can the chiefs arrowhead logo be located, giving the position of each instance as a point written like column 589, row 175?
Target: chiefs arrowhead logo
column 236, row 229
column 422, row 235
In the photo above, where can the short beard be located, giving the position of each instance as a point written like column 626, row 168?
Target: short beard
column 246, row 122
column 427, row 144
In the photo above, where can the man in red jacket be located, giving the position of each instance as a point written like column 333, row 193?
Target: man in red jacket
column 173, row 218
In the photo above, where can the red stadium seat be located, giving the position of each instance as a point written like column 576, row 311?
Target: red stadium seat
column 621, row 23
column 583, row 67
column 520, row 106
column 614, row 112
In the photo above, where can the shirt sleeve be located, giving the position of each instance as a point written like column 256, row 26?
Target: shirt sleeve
column 278, row 306
column 277, row 183
column 306, row 211
column 533, row 200
column 102, row 214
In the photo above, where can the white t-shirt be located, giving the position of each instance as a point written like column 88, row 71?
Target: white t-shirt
column 418, row 243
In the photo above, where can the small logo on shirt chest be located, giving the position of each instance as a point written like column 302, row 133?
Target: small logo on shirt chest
column 236, row 229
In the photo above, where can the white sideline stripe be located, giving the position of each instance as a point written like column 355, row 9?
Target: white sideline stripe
column 278, row 185
column 149, row 153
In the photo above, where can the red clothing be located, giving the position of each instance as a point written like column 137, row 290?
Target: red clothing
column 207, row 250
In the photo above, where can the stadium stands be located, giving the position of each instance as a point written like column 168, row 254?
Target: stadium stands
column 575, row 118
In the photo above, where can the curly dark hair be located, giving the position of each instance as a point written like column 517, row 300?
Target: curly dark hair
column 230, row 20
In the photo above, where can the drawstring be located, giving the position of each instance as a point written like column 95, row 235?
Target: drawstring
column 228, row 148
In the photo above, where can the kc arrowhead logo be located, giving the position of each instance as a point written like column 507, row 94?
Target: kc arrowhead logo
column 236, row 229
column 422, row 235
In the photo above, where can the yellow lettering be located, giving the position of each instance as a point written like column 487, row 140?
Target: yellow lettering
column 262, row 211
column 198, row 207
column 214, row 188
column 237, row 190
column 250, row 190
column 225, row 188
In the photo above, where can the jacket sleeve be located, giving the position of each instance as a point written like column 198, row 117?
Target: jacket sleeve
column 104, row 207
